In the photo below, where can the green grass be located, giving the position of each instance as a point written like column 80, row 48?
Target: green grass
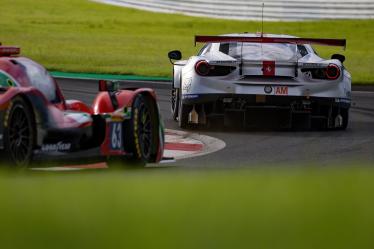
column 278, row 208
column 82, row 36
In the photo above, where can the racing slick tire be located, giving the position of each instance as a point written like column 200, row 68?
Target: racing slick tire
column 183, row 111
column 175, row 103
column 19, row 133
column 141, row 131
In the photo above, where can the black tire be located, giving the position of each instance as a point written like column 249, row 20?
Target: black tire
column 19, row 133
column 183, row 111
column 345, row 115
column 175, row 103
column 141, row 131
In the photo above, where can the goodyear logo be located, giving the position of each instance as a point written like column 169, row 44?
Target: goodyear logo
column 60, row 146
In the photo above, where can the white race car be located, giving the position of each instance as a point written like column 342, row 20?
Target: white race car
column 261, row 80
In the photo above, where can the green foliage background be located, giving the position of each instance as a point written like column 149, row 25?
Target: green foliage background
column 84, row 36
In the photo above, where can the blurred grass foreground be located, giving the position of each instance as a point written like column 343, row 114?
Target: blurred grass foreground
column 303, row 208
column 84, row 36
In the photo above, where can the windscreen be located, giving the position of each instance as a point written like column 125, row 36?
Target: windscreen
column 260, row 51
column 41, row 79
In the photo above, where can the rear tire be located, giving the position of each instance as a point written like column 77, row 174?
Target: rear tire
column 141, row 131
column 19, row 133
column 183, row 111
column 175, row 103
column 344, row 112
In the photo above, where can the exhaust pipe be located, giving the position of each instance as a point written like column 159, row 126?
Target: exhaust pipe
column 338, row 121
column 193, row 116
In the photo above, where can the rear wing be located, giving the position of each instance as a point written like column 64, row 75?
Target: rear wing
column 9, row 50
column 261, row 39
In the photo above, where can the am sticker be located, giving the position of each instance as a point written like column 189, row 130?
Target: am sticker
column 281, row 90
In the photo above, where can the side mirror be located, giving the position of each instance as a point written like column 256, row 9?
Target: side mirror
column 175, row 55
column 339, row 57
column 108, row 86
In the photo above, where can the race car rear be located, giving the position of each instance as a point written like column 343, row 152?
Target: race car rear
column 265, row 81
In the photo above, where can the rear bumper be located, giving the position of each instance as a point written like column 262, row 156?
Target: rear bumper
column 263, row 100
column 269, row 110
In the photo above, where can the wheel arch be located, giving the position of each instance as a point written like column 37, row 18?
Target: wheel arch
column 37, row 103
column 38, row 113
column 17, row 101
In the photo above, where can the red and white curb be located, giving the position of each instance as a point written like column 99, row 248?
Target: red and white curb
column 178, row 145
column 181, row 144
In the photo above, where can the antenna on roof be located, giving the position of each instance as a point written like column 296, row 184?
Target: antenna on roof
column 262, row 19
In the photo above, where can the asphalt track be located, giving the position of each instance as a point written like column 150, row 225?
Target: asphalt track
column 271, row 148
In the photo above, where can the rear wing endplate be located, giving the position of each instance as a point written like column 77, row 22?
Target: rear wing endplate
column 261, row 39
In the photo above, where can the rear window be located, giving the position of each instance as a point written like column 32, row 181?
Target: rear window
column 302, row 50
column 205, row 49
column 260, row 51
column 224, row 48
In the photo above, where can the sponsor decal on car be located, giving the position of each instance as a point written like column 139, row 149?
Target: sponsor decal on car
column 190, row 96
column 225, row 62
column 268, row 68
column 186, row 84
column 313, row 65
column 60, row 146
column 281, row 90
column 268, row 89
column 308, row 74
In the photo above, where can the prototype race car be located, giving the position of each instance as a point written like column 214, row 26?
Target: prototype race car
column 35, row 119
column 261, row 80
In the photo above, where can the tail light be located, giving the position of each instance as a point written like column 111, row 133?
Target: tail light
column 332, row 72
column 202, row 68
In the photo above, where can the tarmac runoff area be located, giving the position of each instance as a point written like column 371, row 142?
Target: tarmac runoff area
column 178, row 145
